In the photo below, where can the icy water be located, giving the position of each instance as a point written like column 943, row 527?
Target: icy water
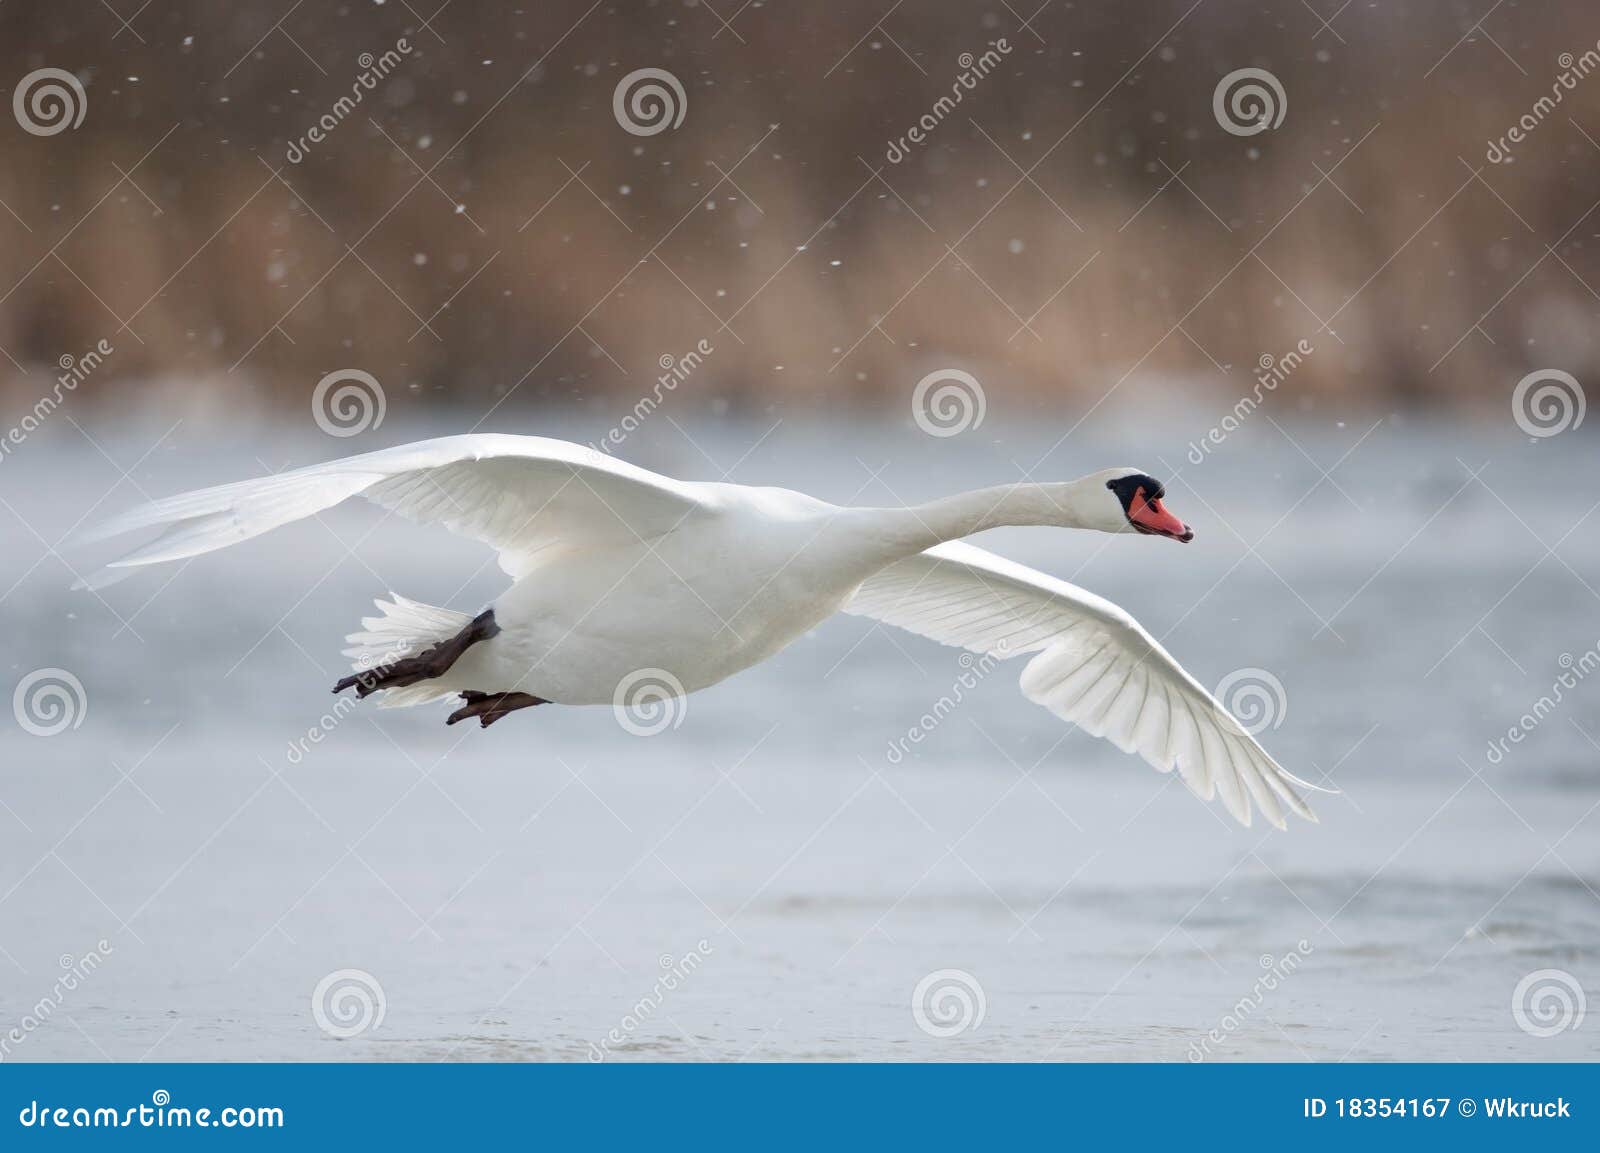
column 523, row 892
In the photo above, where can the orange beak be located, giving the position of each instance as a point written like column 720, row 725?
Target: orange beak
column 1149, row 516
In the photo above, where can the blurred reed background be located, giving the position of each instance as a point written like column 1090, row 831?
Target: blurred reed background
column 481, row 229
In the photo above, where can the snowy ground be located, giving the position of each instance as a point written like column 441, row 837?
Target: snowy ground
column 514, row 892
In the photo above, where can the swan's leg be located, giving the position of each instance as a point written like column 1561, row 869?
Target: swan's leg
column 490, row 707
column 426, row 665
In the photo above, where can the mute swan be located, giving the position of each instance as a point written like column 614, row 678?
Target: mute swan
column 616, row 570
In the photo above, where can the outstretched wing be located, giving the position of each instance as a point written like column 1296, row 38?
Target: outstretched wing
column 1095, row 666
column 519, row 494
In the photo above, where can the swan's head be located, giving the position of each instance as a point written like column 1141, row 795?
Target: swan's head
column 1132, row 503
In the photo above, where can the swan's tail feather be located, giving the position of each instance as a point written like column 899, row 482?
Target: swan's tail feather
column 405, row 698
column 406, row 627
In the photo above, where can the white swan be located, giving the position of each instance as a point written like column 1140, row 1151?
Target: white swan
column 617, row 570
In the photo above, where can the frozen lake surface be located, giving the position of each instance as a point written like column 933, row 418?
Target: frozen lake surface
column 515, row 891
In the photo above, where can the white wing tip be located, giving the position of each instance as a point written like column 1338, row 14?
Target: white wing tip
column 102, row 578
column 1307, row 785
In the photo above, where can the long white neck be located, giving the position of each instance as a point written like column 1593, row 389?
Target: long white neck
column 906, row 531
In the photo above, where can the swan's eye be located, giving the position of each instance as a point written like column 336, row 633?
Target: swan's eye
column 1137, row 486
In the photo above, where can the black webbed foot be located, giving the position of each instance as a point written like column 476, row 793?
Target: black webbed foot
column 490, row 707
column 430, row 663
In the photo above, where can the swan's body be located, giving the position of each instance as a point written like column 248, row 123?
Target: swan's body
column 617, row 570
column 745, row 573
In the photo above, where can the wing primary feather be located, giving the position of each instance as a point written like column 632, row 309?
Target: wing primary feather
column 1265, row 799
